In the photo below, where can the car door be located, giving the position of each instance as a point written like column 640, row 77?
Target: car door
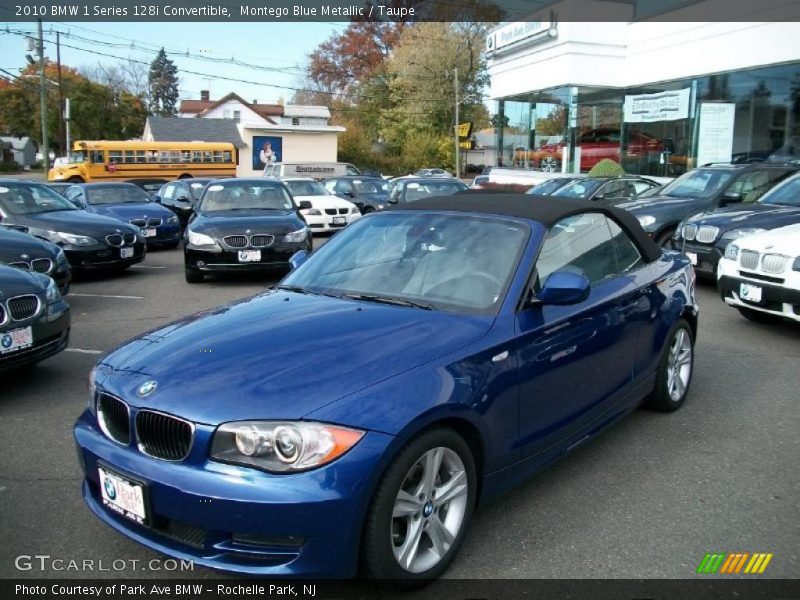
column 576, row 361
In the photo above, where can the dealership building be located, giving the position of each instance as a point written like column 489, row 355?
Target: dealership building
column 660, row 92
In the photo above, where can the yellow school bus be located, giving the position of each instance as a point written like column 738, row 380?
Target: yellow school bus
column 120, row 161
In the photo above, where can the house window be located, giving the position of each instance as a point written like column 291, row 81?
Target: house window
column 237, row 115
column 295, row 121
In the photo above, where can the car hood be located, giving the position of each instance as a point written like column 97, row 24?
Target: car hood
column 132, row 210
column 766, row 216
column 777, row 241
column 14, row 243
column 238, row 222
column 279, row 355
column 15, row 282
column 79, row 222
column 655, row 203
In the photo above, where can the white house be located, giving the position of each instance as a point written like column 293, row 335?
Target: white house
column 23, row 150
column 290, row 133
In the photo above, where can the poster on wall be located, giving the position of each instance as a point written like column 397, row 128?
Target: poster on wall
column 663, row 106
column 715, row 133
column 267, row 149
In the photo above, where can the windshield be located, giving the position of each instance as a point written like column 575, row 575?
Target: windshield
column 785, row 194
column 307, row 188
column 456, row 263
column 116, row 194
column 370, row 186
column 582, row 188
column 27, row 199
column 196, row 188
column 548, row 187
column 418, row 191
column 240, row 195
column 77, row 156
column 700, row 183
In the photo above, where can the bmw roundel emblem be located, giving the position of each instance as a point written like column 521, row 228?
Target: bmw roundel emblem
column 6, row 341
column 147, row 388
column 111, row 491
column 24, row 256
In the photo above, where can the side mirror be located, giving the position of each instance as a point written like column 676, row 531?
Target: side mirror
column 562, row 288
column 183, row 199
column 79, row 203
column 298, row 258
column 155, row 198
column 730, row 198
column 304, row 205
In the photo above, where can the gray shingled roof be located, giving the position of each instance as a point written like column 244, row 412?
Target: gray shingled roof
column 176, row 129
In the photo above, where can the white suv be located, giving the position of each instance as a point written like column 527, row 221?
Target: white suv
column 760, row 275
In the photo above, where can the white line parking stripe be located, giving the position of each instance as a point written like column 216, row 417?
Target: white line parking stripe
column 146, row 267
column 107, row 296
column 82, row 351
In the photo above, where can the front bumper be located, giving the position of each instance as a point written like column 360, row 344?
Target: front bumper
column 705, row 257
column 324, row 223
column 102, row 256
column 275, row 257
column 50, row 336
column 303, row 524
column 169, row 233
column 776, row 300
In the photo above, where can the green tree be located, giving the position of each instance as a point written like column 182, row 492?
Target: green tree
column 163, row 85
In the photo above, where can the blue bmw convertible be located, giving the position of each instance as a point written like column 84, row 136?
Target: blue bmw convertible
column 485, row 337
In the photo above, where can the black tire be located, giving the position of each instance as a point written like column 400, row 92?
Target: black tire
column 378, row 556
column 664, row 239
column 757, row 316
column 661, row 399
column 185, row 176
column 75, row 179
column 367, row 210
column 193, row 275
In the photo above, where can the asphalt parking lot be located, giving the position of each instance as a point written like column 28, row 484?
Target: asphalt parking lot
column 648, row 499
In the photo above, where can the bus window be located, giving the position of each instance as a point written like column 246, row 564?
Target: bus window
column 115, row 156
column 186, row 156
column 97, row 156
column 226, row 156
column 197, row 156
column 130, row 156
column 140, row 156
column 208, row 156
column 151, row 155
column 217, row 156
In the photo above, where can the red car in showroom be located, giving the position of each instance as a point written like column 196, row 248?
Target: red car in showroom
column 597, row 144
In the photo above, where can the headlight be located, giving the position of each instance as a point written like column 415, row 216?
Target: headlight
column 735, row 234
column 646, row 220
column 354, row 210
column 92, row 384
column 200, row 239
column 282, row 446
column 732, row 252
column 52, row 294
column 380, row 206
column 69, row 238
column 796, row 264
column 312, row 212
column 61, row 258
column 172, row 219
column 296, row 236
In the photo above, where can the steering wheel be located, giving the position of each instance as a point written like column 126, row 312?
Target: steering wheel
column 484, row 286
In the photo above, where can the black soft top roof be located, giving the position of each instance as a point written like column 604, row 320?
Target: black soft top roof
column 545, row 210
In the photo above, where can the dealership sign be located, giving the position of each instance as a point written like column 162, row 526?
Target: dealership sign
column 513, row 35
column 664, row 106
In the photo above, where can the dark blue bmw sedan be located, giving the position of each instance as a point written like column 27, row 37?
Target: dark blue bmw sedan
column 131, row 204
column 486, row 336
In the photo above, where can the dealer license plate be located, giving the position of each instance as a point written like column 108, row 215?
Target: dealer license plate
column 122, row 496
column 16, row 339
column 749, row 292
column 340, row 220
column 249, row 255
column 692, row 258
column 149, row 233
column 125, row 252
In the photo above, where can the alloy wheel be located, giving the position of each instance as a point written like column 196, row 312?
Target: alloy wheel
column 679, row 365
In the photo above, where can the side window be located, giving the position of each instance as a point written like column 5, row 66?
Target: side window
column 330, row 185
column 168, row 192
column 613, row 189
column 640, row 186
column 342, row 187
column 590, row 245
column 73, row 193
column 97, row 156
column 752, row 186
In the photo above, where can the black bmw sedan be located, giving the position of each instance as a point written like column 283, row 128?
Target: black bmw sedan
column 34, row 318
column 28, row 253
column 244, row 225
column 89, row 241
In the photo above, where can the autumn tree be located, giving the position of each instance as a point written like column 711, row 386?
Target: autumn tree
column 163, row 86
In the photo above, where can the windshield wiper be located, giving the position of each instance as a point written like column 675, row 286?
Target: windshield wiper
column 390, row 300
column 293, row 288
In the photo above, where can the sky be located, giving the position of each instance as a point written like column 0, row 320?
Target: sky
column 277, row 51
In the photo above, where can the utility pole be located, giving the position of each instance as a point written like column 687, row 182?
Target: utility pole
column 43, row 102
column 458, row 157
column 61, row 141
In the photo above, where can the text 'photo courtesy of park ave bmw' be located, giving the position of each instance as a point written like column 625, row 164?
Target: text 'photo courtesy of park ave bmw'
column 479, row 299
